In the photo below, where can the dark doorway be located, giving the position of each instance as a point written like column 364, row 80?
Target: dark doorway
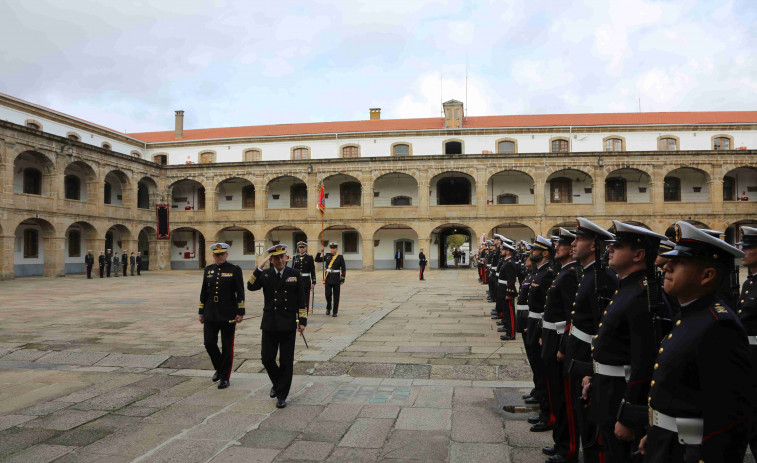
column 201, row 246
column 453, row 191
column 143, row 246
column 451, row 239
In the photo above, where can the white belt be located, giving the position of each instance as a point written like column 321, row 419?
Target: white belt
column 305, row 274
column 535, row 315
column 752, row 340
column 690, row 430
column 489, row 265
column 548, row 325
column 523, row 307
column 333, row 271
column 504, row 282
column 560, row 326
column 585, row 337
column 618, row 371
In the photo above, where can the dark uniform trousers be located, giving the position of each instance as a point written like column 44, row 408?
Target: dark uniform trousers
column 536, row 298
column 101, row 263
column 124, row 263
column 221, row 299
column 625, row 339
column 703, row 371
column 89, row 261
column 335, row 274
column 283, row 308
column 558, row 303
column 108, row 264
column 506, row 273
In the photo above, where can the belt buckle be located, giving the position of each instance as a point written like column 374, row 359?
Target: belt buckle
column 651, row 416
column 215, row 298
column 594, row 365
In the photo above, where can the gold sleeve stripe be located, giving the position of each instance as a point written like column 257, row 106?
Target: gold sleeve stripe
column 240, row 305
column 252, row 279
column 303, row 313
column 202, row 306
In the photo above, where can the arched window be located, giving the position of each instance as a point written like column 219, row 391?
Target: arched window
column 248, row 197
column 615, row 190
column 161, row 159
column 453, row 191
column 143, row 196
column 73, row 136
column 34, row 125
column 402, row 201
column 721, row 143
column 298, row 195
column 507, row 198
column 252, row 155
column 613, row 144
column 506, row 147
column 667, row 144
column 31, row 243
column 300, row 153
column 672, row 189
column 729, row 188
column 74, row 243
column 350, row 152
column 106, row 146
column 72, row 187
column 560, row 146
column 401, row 149
column 207, row 157
column 561, row 190
column 453, row 147
column 32, row 181
column 349, row 194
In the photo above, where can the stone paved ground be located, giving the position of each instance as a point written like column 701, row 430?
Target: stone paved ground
column 114, row 370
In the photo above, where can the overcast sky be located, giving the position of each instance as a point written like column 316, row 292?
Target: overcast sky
column 129, row 64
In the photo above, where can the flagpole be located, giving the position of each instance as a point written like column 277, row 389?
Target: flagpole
column 323, row 261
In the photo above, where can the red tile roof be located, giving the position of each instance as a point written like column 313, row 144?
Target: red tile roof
column 435, row 123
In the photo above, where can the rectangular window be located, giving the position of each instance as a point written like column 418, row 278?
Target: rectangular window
column 350, row 240
column 31, row 243
column 74, row 243
column 298, row 195
column 249, row 244
column 408, row 247
column 107, row 193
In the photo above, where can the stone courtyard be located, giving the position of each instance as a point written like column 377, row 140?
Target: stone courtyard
column 114, row 370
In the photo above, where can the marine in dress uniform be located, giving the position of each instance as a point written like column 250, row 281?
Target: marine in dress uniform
column 624, row 347
column 747, row 311
column 108, row 262
column 583, row 318
column 101, row 263
column 541, row 256
column 422, row 262
column 139, row 263
column 492, row 262
column 89, row 261
column 506, row 293
column 701, row 394
column 284, row 314
column 304, row 262
column 221, row 308
column 116, row 265
column 557, row 306
column 125, row 261
column 336, row 271
column 132, row 262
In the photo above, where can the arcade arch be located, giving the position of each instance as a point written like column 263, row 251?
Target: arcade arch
column 187, row 249
column 289, row 235
column 393, row 238
column 242, row 241
column 79, row 181
column 114, row 192
column 452, row 188
column 445, row 239
column 342, row 191
column 146, row 191
column 569, row 186
column 235, row 193
column 687, row 184
column 33, row 174
column 287, row 192
column 740, row 184
column 36, row 251
column 627, row 186
column 510, row 187
column 187, row 195
column 395, row 189
column 349, row 241
column 80, row 237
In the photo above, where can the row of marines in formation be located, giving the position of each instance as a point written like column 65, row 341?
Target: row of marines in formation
column 641, row 345
column 107, row 261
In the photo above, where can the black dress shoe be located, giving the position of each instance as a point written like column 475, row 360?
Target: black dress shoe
column 328, row 311
column 558, row 459
column 549, row 451
column 525, row 396
column 540, row 427
column 533, row 419
column 500, row 323
column 501, row 330
column 495, row 317
column 273, row 392
column 507, row 338
column 223, row 384
column 334, row 314
column 532, row 401
column 281, row 403
column 216, row 376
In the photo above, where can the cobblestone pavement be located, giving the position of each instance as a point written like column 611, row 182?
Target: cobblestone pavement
column 114, row 370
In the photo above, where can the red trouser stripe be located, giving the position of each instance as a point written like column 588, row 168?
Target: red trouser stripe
column 512, row 317
column 233, row 336
column 602, row 454
column 551, row 411
column 571, row 424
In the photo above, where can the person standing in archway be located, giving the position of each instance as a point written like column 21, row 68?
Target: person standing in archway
column 89, row 262
column 422, row 262
column 398, row 259
column 336, row 271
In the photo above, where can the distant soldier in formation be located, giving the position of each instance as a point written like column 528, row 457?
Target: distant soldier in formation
column 101, row 263
column 116, row 265
column 336, row 272
column 89, row 261
column 139, row 263
column 125, row 261
column 108, row 262
column 422, row 262
column 506, row 293
column 747, row 311
column 132, row 262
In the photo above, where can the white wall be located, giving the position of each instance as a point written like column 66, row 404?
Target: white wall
column 116, row 189
column 234, row 190
column 745, row 178
column 331, row 187
column 512, row 182
column 192, row 246
column 352, row 260
column 580, row 182
column 187, row 190
column 383, row 254
column 281, row 186
column 236, row 252
column 634, row 180
column 691, row 178
column 393, row 185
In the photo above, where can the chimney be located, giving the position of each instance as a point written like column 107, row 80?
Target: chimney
column 375, row 114
column 179, row 130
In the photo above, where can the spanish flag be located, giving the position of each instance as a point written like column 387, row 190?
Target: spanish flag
column 321, row 203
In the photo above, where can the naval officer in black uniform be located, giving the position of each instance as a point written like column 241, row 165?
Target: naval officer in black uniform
column 89, row 261
column 701, row 395
column 624, row 347
column 336, row 271
column 304, row 262
column 747, row 310
column 284, row 315
column 101, row 263
column 221, row 308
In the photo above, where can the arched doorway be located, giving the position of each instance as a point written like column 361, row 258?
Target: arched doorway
column 445, row 240
column 349, row 241
column 147, row 245
column 80, row 237
column 187, row 249
column 452, row 188
column 242, row 251
column 390, row 239
column 516, row 231
column 35, row 250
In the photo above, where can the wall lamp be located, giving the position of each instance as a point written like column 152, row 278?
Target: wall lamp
column 310, row 168
column 600, row 162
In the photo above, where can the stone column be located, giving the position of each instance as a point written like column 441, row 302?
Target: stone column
column 657, row 184
column 260, row 203
column 210, row 204
column 423, row 193
column 598, row 191
column 715, row 184
column 367, row 253
column 54, row 256
column 312, row 183
column 367, row 197
column 480, row 179
column 160, row 254
column 541, row 190
column 6, row 256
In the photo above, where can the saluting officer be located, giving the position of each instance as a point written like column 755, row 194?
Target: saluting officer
column 747, row 309
column 589, row 303
column 101, row 263
column 89, row 261
column 541, row 256
column 336, row 271
column 624, row 347
column 305, row 264
column 701, row 395
column 557, row 306
column 284, row 315
column 221, row 308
